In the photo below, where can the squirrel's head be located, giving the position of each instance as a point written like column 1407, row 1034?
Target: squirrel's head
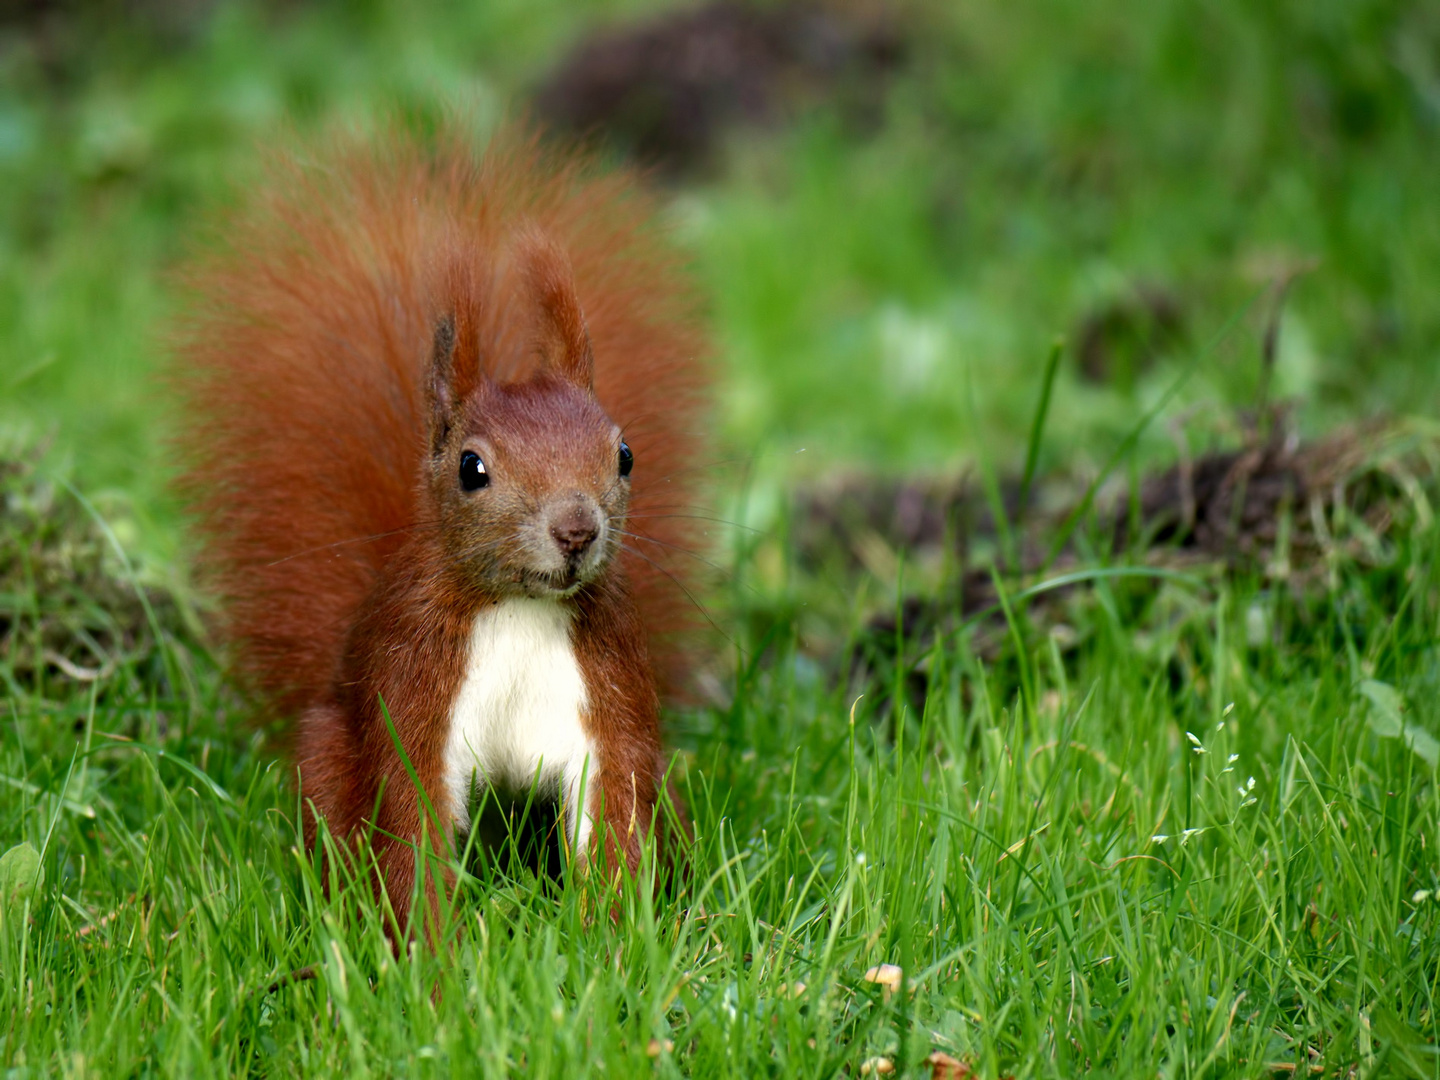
column 531, row 479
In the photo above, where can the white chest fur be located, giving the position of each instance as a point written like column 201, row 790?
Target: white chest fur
column 519, row 709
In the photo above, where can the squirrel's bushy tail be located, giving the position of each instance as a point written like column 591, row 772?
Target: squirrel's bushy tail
column 300, row 369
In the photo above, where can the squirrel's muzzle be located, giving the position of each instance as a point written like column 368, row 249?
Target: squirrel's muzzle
column 574, row 526
column 575, row 531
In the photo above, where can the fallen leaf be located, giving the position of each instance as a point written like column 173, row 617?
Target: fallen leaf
column 1423, row 743
column 1385, row 708
column 20, row 875
column 1387, row 720
column 945, row 1067
column 1411, row 1054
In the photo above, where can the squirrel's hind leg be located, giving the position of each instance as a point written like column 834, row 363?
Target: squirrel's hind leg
column 328, row 763
column 411, row 834
column 625, row 807
column 375, row 818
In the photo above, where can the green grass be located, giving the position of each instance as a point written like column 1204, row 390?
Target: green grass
column 1060, row 845
column 1167, row 850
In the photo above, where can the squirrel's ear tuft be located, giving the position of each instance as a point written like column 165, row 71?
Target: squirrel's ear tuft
column 442, row 382
column 562, row 339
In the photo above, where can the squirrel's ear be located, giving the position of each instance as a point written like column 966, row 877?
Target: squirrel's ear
column 562, row 339
column 441, row 384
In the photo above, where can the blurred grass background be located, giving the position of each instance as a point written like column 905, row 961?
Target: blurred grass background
column 884, row 292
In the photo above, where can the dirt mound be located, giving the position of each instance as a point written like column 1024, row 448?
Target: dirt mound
column 665, row 90
column 1286, row 509
column 1120, row 340
column 70, row 606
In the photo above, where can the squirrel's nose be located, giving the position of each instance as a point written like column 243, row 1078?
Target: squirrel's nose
column 575, row 529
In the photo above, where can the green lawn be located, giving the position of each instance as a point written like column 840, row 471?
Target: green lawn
column 1171, row 825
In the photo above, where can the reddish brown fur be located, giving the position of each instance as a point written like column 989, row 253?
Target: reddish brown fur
column 306, row 426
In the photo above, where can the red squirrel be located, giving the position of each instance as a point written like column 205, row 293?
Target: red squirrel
column 441, row 411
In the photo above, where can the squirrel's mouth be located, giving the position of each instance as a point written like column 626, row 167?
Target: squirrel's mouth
column 559, row 585
column 544, row 573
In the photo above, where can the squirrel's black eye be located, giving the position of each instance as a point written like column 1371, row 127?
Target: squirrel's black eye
column 627, row 460
column 472, row 471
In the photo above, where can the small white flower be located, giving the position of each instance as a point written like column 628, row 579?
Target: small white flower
column 860, row 859
column 1159, row 838
column 1191, row 736
column 1421, row 895
column 1232, row 759
column 1228, row 709
column 1250, row 784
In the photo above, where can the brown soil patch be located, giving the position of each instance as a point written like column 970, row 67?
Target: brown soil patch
column 1287, row 509
column 69, row 607
column 666, row 90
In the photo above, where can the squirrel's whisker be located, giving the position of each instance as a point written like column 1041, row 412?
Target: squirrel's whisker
column 356, row 540
column 689, row 596
column 697, row 468
column 695, row 517
column 676, row 547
